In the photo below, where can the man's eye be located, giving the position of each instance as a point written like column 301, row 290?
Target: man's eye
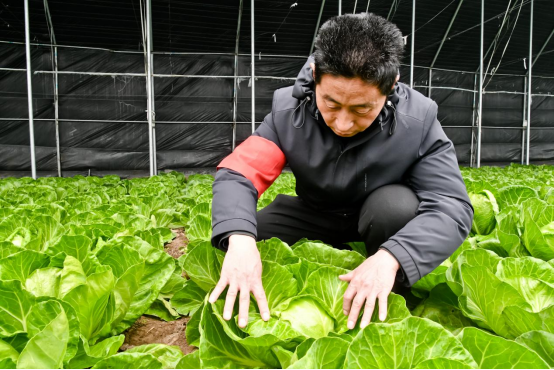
column 333, row 107
column 365, row 111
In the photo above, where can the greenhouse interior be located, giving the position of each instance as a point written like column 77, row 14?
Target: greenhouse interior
column 115, row 115
column 90, row 75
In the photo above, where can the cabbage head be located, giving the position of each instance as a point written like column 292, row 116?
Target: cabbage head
column 307, row 317
column 486, row 208
column 548, row 234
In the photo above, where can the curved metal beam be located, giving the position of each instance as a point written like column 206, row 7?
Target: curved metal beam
column 317, row 26
column 543, row 46
column 446, row 33
column 390, row 10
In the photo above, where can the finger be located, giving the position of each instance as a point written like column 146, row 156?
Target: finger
column 349, row 295
column 368, row 310
column 347, row 277
column 230, row 301
column 219, row 288
column 259, row 294
column 244, row 305
column 383, row 298
column 357, row 305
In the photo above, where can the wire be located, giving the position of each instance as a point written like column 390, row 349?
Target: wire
column 14, row 16
column 514, row 61
column 497, row 36
column 436, row 15
column 504, row 51
column 274, row 36
column 135, row 13
column 470, row 28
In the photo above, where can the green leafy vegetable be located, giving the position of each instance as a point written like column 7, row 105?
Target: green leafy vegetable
column 493, row 352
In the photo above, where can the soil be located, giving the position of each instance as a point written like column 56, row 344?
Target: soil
column 175, row 247
column 148, row 329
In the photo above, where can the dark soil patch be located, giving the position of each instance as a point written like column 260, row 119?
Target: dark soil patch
column 147, row 330
column 175, row 247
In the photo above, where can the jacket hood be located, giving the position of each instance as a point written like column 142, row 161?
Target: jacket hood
column 304, row 85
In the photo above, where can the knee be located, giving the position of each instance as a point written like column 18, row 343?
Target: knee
column 388, row 209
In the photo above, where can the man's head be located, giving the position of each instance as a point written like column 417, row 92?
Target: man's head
column 356, row 66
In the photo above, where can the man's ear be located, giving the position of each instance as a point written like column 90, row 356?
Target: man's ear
column 395, row 81
column 312, row 65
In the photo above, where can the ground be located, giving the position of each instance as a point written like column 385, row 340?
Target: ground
column 149, row 329
column 175, row 247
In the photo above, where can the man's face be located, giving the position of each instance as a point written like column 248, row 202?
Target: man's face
column 348, row 105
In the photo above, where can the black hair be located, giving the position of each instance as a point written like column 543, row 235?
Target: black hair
column 359, row 45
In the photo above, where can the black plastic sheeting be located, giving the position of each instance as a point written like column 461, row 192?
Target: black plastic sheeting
column 211, row 26
column 194, row 115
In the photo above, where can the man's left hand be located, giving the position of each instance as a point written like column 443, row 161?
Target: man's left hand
column 372, row 280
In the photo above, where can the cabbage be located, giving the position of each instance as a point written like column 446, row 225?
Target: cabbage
column 486, row 208
column 548, row 234
column 308, row 318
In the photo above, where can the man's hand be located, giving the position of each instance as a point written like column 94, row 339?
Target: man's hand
column 371, row 280
column 242, row 272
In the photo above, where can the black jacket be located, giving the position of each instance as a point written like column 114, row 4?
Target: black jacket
column 405, row 144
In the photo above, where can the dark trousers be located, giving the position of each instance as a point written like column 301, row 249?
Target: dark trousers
column 384, row 212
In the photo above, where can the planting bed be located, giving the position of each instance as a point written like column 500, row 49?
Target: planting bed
column 111, row 273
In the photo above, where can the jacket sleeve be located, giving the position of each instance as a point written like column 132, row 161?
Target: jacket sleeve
column 241, row 179
column 445, row 213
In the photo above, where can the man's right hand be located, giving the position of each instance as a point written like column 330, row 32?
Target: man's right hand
column 242, row 272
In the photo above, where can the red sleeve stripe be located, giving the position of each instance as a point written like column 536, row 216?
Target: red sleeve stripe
column 258, row 159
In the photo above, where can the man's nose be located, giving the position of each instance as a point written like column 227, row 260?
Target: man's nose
column 343, row 122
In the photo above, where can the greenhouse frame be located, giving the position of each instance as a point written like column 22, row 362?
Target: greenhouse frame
column 79, row 97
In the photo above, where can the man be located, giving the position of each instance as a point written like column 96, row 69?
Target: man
column 371, row 162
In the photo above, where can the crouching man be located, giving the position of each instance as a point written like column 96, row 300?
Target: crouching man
column 372, row 163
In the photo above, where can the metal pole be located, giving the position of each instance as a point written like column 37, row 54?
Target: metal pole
column 149, row 87
column 413, row 45
column 472, row 158
column 480, row 112
column 317, row 26
column 340, row 7
column 355, row 5
column 252, row 65
column 446, row 33
column 30, row 91
column 153, row 97
column 56, row 112
column 235, row 84
column 430, row 78
column 524, row 123
column 529, row 84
